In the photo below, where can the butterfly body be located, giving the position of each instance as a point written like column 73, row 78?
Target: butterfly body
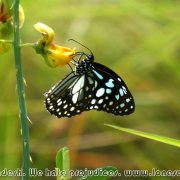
column 89, row 86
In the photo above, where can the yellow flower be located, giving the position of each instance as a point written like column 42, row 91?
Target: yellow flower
column 53, row 54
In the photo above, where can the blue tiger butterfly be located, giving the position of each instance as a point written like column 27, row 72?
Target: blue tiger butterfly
column 89, row 86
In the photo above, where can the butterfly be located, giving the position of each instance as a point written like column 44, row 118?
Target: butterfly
column 89, row 86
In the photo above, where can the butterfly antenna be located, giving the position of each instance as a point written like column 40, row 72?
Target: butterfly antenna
column 81, row 45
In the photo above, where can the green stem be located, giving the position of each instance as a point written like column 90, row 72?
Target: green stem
column 27, row 45
column 6, row 41
column 21, row 45
column 21, row 94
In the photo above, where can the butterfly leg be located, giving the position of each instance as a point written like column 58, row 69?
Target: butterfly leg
column 71, row 68
column 80, row 54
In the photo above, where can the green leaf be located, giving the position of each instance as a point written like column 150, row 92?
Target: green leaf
column 163, row 139
column 63, row 163
column 97, row 174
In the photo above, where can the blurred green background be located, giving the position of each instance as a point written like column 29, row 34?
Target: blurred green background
column 140, row 41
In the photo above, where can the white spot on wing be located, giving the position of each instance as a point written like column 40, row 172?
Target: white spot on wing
column 90, row 80
column 117, row 96
column 65, row 106
column 96, row 84
column 124, row 89
column 93, row 101
column 104, row 105
column 50, row 107
column 59, row 103
column 100, row 92
column 122, row 105
column 72, row 109
column 74, row 98
column 108, row 91
column 58, row 100
column 110, row 83
column 79, row 84
column 111, row 103
column 121, row 92
column 98, row 75
column 100, row 101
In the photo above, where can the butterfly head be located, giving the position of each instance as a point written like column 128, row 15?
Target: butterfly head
column 90, row 57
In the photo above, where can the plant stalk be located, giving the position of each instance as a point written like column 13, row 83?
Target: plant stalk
column 21, row 94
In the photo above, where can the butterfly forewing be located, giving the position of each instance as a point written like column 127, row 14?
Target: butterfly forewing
column 70, row 100
column 100, row 88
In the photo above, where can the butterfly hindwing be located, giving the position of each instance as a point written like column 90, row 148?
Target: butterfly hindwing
column 112, row 92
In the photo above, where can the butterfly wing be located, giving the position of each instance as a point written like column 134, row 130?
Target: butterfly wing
column 111, row 93
column 69, row 96
column 100, row 89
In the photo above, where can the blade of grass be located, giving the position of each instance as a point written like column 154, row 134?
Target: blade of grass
column 21, row 94
column 163, row 139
